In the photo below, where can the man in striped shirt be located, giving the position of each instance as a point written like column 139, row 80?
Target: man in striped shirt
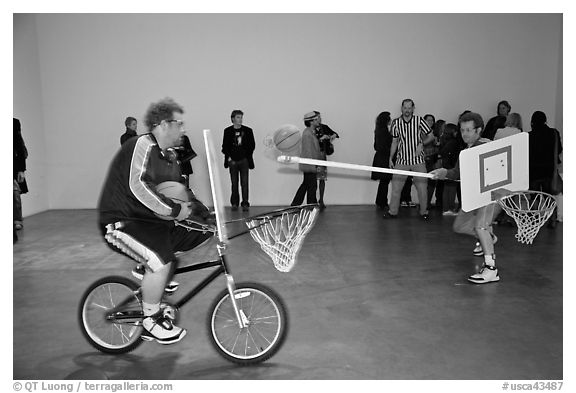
column 409, row 133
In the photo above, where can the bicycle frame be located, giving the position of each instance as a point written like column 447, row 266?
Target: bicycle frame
column 220, row 264
column 221, row 268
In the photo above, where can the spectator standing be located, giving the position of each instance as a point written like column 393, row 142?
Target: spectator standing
column 512, row 126
column 238, row 147
column 409, row 134
column 503, row 109
column 382, row 142
column 326, row 138
column 449, row 151
column 310, row 148
column 431, row 154
column 545, row 147
column 18, row 175
column 131, row 127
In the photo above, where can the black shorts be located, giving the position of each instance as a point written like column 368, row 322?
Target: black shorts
column 151, row 243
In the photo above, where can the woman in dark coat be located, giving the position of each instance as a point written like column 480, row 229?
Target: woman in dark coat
column 18, row 169
column 382, row 142
column 545, row 147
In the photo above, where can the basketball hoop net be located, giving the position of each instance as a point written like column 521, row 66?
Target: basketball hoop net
column 281, row 233
column 530, row 210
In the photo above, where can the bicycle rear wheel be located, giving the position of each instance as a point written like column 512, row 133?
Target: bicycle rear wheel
column 110, row 315
column 266, row 329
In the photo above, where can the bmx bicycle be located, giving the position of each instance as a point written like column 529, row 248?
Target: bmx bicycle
column 247, row 322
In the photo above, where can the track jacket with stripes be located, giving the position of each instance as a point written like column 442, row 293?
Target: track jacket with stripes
column 129, row 190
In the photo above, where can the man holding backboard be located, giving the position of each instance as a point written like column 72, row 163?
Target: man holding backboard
column 477, row 222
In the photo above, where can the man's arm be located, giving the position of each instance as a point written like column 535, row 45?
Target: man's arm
column 428, row 138
column 251, row 144
column 141, row 186
column 443, row 173
column 393, row 148
column 226, row 147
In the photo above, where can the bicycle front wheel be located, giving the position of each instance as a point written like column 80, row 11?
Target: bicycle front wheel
column 110, row 315
column 265, row 330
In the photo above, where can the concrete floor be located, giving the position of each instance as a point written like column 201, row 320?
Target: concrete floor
column 369, row 299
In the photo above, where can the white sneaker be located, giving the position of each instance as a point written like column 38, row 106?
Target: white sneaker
column 449, row 213
column 162, row 329
column 478, row 251
column 139, row 271
column 487, row 274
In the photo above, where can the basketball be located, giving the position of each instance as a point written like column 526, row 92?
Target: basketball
column 287, row 138
column 175, row 191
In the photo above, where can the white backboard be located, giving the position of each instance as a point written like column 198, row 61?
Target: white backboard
column 502, row 163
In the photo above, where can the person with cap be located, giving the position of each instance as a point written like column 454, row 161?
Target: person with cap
column 325, row 137
column 310, row 148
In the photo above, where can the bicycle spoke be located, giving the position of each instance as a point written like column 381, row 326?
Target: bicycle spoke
column 261, row 335
column 112, row 334
column 254, row 341
column 99, row 306
column 110, row 293
column 231, row 316
column 257, row 340
column 235, row 341
column 122, row 334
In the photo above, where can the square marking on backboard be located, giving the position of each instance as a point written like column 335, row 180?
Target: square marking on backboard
column 495, row 169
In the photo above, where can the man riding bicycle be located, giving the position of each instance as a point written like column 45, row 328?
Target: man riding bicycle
column 129, row 206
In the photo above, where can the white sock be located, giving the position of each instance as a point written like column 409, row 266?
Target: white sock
column 490, row 260
column 150, row 309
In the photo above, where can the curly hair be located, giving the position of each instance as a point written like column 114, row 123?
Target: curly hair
column 475, row 117
column 161, row 110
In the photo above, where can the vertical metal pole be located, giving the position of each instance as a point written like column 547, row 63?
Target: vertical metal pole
column 230, row 285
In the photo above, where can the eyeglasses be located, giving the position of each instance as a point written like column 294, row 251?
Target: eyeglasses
column 180, row 123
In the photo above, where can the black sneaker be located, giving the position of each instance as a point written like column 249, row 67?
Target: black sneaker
column 425, row 216
column 387, row 215
column 234, row 208
column 245, row 206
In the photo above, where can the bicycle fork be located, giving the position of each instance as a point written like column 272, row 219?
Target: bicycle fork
column 240, row 316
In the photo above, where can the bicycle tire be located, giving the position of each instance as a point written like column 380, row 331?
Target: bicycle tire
column 267, row 329
column 101, row 297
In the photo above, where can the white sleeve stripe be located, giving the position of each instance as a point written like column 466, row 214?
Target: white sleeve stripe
column 139, row 188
